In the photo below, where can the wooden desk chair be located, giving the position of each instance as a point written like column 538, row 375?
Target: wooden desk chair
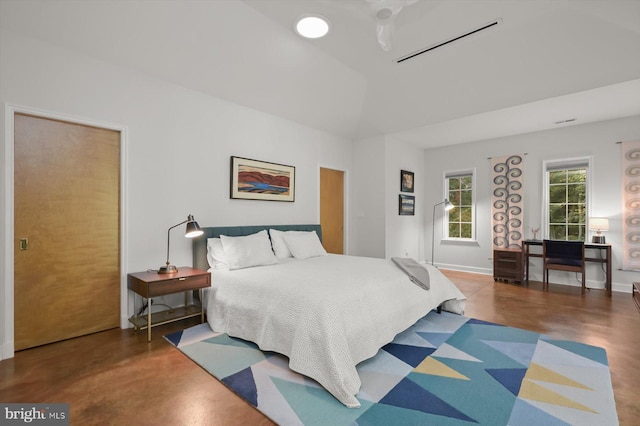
column 562, row 256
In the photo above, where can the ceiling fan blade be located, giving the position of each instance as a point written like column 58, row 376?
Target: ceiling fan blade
column 384, row 32
column 385, row 12
column 391, row 7
column 381, row 12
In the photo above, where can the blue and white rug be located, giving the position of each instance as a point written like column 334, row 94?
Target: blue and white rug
column 446, row 369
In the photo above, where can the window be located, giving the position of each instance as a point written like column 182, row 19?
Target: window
column 566, row 199
column 460, row 192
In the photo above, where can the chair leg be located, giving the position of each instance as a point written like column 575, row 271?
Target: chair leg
column 583, row 284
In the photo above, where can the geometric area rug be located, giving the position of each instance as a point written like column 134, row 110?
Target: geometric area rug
column 446, row 369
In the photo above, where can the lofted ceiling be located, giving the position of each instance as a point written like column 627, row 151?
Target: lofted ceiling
column 547, row 61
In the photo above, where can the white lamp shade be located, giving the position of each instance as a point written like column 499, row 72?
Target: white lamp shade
column 599, row 224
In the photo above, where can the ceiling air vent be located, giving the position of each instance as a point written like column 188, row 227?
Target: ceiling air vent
column 564, row 121
column 450, row 40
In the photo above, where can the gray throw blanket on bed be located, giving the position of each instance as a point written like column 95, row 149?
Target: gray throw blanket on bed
column 417, row 273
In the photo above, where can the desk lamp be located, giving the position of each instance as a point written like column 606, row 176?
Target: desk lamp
column 192, row 231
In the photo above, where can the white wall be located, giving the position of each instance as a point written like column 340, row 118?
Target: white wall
column 404, row 235
column 368, row 198
column 597, row 140
column 179, row 144
column 378, row 229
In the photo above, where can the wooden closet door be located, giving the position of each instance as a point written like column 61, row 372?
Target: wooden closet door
column 332, row 210
column 66, row 229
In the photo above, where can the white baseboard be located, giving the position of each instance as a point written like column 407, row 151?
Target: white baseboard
column 596, row 285
column 124, row 323
column 622, row 287
column 464, row 268
column 6, row 350
column 617, row 287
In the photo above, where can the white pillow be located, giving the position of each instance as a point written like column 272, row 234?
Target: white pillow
column 247, row 251
column 304, row 245
column 215, row 254
column 279, row 245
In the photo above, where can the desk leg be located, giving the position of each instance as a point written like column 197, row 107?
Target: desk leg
column 526, row 263
column 608, row 282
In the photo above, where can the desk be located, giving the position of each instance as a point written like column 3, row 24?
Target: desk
column 606, row 259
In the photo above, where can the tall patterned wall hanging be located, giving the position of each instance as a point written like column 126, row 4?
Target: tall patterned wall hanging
column 507, row 201
column 631, row 206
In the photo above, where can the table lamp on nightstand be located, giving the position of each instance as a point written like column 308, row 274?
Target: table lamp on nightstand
column 598, row 224
column 192, row 231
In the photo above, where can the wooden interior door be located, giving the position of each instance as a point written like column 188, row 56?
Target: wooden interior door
column 332, row 210
column 67, row 230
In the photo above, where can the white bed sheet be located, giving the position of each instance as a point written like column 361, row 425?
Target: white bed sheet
column 325, row 313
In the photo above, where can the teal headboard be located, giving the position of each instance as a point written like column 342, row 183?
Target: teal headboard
column 200, row 243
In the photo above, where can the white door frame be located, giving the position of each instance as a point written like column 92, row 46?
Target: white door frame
column 7, row 320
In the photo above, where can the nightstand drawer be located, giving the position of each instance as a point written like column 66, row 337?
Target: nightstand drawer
column 508, row 256
column 177, row 285
column 151, row 284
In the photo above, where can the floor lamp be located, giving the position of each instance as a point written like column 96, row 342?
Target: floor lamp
column 447, row 206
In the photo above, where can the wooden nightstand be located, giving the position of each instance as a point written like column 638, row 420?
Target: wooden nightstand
column 150, row 284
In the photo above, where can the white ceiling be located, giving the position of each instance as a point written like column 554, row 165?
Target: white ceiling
column 547, row 61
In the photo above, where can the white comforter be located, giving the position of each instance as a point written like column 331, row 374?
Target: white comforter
column 325, row 313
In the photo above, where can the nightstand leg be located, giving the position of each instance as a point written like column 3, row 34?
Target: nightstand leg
column 148, row 320
column 201, row 306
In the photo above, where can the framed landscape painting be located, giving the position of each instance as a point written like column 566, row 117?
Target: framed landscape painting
column 260, row 180
column 407, row 205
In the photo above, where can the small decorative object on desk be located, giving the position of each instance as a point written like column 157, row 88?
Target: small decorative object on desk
column 535, row 231
column 598, row 224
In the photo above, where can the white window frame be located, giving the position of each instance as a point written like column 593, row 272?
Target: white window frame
column 445, row 222
column 567, row 163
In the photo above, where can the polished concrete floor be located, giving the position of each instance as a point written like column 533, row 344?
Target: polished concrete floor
column 116, row 377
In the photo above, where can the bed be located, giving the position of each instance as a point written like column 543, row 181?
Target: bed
column 325, row 312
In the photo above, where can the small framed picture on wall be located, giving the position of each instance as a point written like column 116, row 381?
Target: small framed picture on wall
column 407, row 205
column 406, row 181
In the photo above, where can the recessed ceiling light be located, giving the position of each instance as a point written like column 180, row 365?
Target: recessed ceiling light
column 312, row 26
